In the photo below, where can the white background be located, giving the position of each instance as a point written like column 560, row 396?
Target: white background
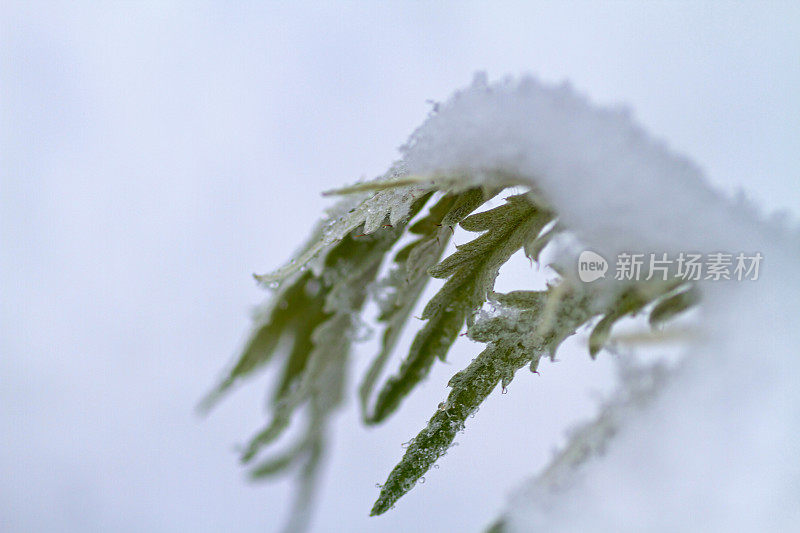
column 153, row 155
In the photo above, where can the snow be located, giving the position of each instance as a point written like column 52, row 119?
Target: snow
column 718, row 447
column 590, row 162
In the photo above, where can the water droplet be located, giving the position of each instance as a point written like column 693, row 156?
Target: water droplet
column 273, row 285
column 436, row 467
column 421, row 480
column 505, row 390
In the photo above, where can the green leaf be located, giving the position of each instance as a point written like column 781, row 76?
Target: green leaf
column 533, row 248
column 515, row 338
column 349, row 268
column 470, row 274
column 453, row 182
column 470, row 389
column 322, row 292
column 366, row 211
column 409, row 276
column 319, row 313
column 316, row 379
column 672, row 306
column 302, row 346
column 631, row 299
column 284, row 317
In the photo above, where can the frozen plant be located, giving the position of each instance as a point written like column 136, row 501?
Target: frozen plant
column 577, row 170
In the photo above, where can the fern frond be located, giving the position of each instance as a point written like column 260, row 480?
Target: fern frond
column 409, row 276
column 515, row 339
column 349, row 269
column 321, row 294
column 284, row 318
column 519, row 331
column 470, row 274
column 369, row 212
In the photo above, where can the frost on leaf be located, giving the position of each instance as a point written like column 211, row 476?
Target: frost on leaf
column 389, row 206
column 515, row 338
column 316, row 312
column 409, row 276
column 319, row 315
column 520, row 328
column 470, row 274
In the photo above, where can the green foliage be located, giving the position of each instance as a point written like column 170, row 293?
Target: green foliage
column 409, row 277
column 514, row 340
column 316, row 314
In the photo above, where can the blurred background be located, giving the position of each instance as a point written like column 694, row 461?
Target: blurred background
column 154, row 154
